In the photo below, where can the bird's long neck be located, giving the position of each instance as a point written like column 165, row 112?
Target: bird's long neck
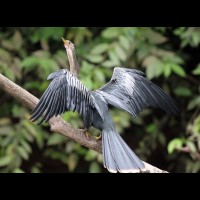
column 74, row 67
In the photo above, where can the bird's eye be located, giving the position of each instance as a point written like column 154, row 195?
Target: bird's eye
column 69, row 42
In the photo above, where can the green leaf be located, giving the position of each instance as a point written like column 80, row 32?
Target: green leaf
column 95, row 58
column 22, row 153
column 178, row 70
column 35, row 170
column 85, row 68
column 10, row 75
column 177, row 142
column 99, row 49
column 48, row 65
column 26, row 146
column 32, row 84
column 18, row 171
column 184, row 92
column 61, row 58
column 121, row 53
column 154, row 37
column 99, row 76
column 179, row 31
column 155, row 69
column 30, row 128
column 29, row 62
column 193, row 103
column 5, row 160
column 41, row 54
column 81, row 151
column 17, row 40
column 196, row 167
column 6, row 141
column 100, row 158
column 35, row 37
column 167, row 70
column 56, row 155
column 17, row 161
column 109, row 64
column 55, row 139
column 7, row 44
column 149, row 60
column 137, row 121
column 72, row 161
column 114, row 58
column 5, row 55
column 94, row 168
column 28, row 136
column 196, row 38
column 4, row 121
column 196, row 128
column 197, row 70
column 175, row 59
column 69, row 146
column 192, row 146
column 110, row 33
column 124, row 42
column 162, row 139
column 91, row 155
column 151, row 128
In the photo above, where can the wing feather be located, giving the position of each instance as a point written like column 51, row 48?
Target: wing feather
column 58, row 104
column 48, row 110
column 54, row 105
column 130, row 91
column 41, row 100
column 65, row 93
column 42, row 107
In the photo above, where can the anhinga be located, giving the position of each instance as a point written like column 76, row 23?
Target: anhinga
column 128, row 90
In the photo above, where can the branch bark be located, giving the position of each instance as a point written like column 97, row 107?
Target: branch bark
column 57, row 124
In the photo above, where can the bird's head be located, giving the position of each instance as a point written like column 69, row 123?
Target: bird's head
column 74, row 67
column 68, row 44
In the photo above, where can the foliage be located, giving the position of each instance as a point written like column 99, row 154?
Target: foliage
column 29, row 54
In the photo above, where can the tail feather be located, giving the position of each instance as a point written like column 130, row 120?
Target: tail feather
column 117, row 156
column 108, row 163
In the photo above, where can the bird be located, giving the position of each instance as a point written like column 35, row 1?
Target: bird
column 128, row 90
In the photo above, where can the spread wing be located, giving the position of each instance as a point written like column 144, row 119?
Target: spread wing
column 65, row 93
column 130, row 91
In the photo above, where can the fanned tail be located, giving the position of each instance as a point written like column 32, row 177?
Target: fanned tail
column 117, row 156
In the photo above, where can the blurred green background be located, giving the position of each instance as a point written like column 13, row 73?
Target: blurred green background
column 170, row 57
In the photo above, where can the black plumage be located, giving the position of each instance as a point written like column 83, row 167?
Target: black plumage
column 131, row 87
column 128, row 90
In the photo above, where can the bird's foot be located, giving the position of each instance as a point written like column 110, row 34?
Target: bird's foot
column 88, row 135
column 98, row 138
column 85, row 132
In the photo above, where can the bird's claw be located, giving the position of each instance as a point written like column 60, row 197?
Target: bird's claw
column 98, row 138
column 88, row 135
column 85, row 132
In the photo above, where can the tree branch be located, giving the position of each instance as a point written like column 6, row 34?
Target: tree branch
column 188, row 150
column 57, row 124
column 192, row 79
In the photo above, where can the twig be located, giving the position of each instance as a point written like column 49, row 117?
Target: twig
column 192, row 79
column 194, row 115
column 57, row 124
column 188, row 150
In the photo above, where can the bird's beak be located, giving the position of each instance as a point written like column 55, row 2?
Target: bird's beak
column 65, row 41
